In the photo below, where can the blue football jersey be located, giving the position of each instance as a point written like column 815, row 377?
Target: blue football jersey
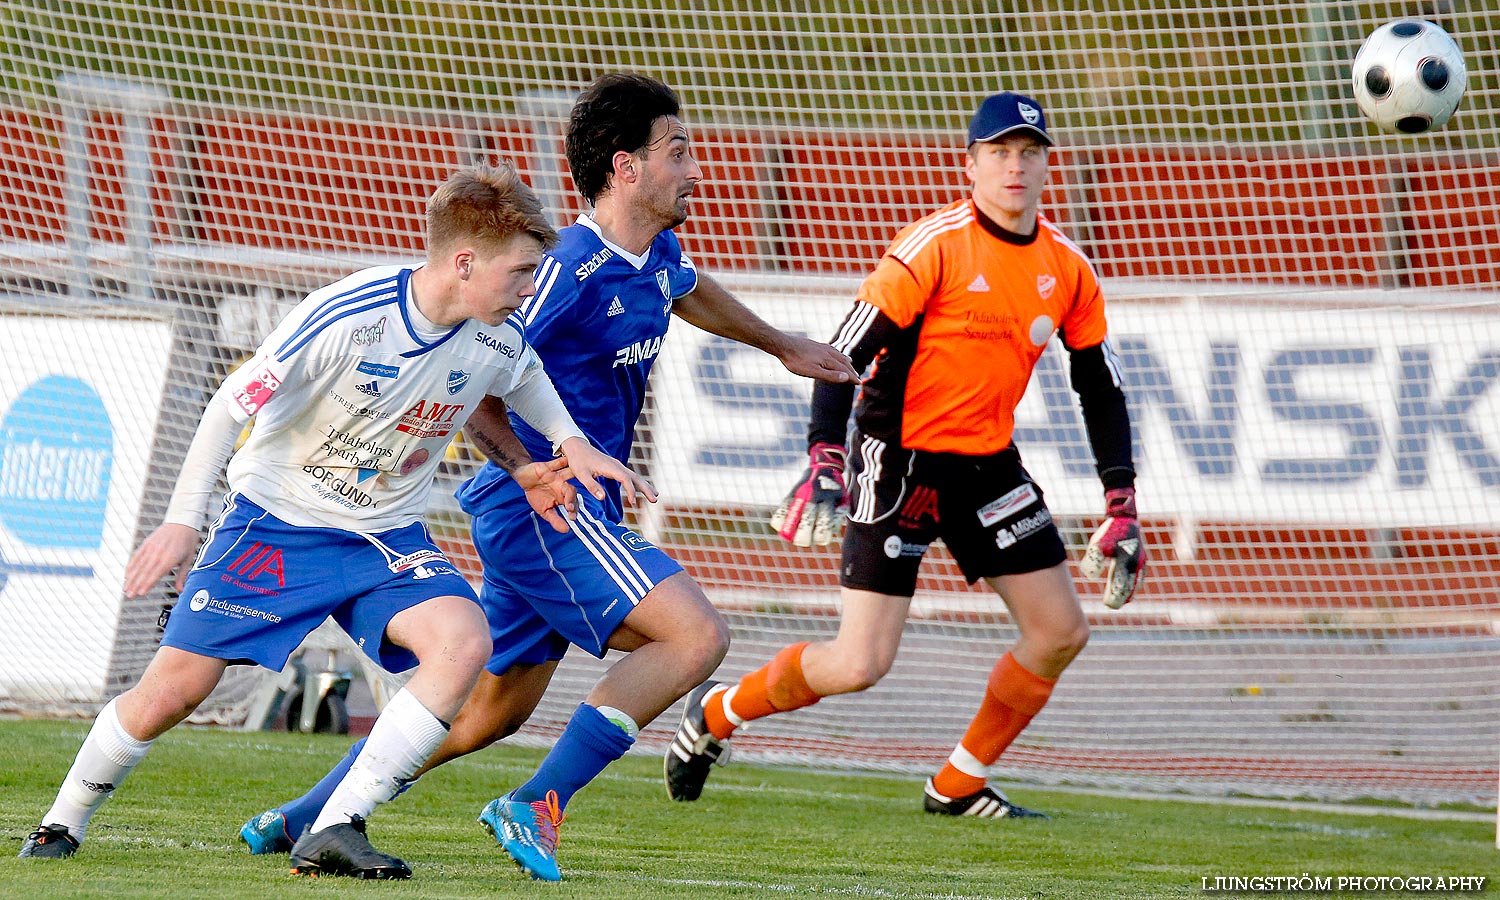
column 597, row 321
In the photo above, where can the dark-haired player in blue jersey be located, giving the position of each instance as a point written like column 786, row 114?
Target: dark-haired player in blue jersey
column 604, row 299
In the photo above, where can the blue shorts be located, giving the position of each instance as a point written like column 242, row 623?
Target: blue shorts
column 543, row 590
column 260, row 586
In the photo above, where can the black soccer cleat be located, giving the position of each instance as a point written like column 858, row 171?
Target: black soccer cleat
column 49, row 842
column 694, row 749
column 985, row 803
column 343, row 849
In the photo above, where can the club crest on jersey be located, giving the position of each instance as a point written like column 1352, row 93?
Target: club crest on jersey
column 1044, row 285
column 664, row 282
column 457, row 380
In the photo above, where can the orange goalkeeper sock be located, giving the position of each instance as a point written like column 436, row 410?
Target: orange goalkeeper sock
column 778, row 686
column 1013, row 698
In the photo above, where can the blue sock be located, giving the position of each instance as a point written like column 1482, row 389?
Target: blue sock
column 301, row 812
column 589, row 744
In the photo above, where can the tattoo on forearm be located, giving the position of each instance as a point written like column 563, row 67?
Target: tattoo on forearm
column 506, row 457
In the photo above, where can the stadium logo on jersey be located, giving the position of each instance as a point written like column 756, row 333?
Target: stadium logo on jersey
column 258, row 560
column 979, row 285
column 495, row 344
column 457, row 380
column 429, row 419
column 616, row 308
column 1007, row 506
column 1044, row 285
column 637, row 352
column 379, row 370
column 369, row 335
column 370, row 389
column 593, row 264
column 664, row 281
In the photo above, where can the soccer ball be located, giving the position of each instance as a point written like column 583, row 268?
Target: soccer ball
column 1409, row 76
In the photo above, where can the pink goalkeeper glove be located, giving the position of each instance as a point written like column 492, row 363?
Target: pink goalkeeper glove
column 813, row 513
column 1116, row 551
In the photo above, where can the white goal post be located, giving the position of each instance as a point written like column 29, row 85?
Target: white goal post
column 1307, row 311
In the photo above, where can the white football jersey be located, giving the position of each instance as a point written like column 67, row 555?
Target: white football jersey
column 354, row 409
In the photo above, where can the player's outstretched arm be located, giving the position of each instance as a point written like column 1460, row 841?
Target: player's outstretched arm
column 170, row 546
column 588, row 464
column 716, row 311
column 545, row 483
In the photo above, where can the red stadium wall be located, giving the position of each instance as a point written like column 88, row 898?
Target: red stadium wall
column 826, row 203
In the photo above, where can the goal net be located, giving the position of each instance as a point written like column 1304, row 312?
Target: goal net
column 1306, row 311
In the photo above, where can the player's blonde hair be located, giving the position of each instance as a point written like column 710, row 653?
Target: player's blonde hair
column 487, row 205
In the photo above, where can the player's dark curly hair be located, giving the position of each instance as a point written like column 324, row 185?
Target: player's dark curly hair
column 614, row 113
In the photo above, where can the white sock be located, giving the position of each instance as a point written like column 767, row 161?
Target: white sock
column 404, row 736
column 105, row 759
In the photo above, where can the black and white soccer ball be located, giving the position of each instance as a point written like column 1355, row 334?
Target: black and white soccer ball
column 1409, row 76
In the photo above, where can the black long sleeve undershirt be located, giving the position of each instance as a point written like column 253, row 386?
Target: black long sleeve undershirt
column 1105, row 415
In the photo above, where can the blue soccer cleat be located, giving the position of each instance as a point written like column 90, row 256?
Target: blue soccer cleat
column 266, row 833
column 527, row 831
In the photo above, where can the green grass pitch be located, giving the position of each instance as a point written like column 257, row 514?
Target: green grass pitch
column 170, row 832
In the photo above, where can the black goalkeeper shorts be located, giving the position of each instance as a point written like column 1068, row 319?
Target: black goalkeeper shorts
column 987, row 509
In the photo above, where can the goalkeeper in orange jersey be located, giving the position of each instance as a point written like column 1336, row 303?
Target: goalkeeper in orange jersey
column 954, row 318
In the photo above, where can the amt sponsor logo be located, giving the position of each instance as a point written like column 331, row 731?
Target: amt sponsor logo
column 56, row 460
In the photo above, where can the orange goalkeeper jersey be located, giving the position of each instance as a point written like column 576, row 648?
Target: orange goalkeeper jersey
column 983, row 304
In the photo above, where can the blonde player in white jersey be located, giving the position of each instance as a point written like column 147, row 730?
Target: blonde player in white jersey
column 356, row 395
